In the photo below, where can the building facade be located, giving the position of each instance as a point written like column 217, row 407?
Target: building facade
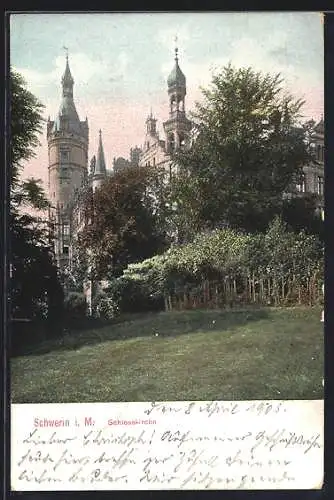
column 121, row 163
column 313, row 173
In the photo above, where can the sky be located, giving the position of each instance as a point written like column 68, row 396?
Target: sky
column 120, row 63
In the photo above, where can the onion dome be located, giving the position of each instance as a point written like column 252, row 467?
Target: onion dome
column 176, row 77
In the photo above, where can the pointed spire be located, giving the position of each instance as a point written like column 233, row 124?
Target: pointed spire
column 100, row 167
column 67, row 79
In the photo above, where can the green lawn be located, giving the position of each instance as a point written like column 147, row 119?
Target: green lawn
column 194, row 355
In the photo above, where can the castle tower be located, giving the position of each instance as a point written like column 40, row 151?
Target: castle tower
column 99, row 172
column 177, row 127
column 67, row 138
column 151, row 131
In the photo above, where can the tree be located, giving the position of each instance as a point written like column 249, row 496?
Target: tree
column 248, row 152
column 301, row 213
column 35, row 288
column 125, row 222
column 25, row 125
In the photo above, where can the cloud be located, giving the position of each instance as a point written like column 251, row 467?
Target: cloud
column 88, row 72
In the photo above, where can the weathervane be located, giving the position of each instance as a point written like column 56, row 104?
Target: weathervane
column 176, row 48
column 66, row 50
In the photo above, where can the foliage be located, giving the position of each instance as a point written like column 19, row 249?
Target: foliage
column 35, row 289
column 279, row 254
column 301, row 213
column 25, row 124
column 104, row 307
column 124, row 224
column 248, row 152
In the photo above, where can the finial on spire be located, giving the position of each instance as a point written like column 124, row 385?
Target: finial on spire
column 176, row 48
column 100, row 132
column 66, row 50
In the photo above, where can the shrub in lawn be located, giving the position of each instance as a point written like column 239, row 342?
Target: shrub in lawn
column 104, row 307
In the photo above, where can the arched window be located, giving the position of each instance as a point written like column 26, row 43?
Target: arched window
column 173, row 103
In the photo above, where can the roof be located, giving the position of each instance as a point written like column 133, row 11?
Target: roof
column 67, row 78
column 67, row 111
column 176, row 77
column 100, row 166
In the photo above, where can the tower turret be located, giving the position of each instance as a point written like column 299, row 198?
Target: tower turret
column 67, row 138
column 177, row 127
column 151, row 125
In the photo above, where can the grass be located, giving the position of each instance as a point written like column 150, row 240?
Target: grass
column 194, row 355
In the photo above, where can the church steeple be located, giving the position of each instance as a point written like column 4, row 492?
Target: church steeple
column 100, row 167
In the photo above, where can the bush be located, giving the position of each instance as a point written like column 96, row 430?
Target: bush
column 75, row 305
column 132, row 295
column 278, row 265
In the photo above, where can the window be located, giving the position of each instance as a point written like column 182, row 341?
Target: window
column 64, row 155
column 66, row 230
column 65, row 250
column 301, row 186
column 320, row 185
column 153, row 162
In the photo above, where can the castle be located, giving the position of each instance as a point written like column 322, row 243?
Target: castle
column 72, row 181
column 70, row 176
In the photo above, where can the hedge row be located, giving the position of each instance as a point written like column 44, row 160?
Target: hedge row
column 277, row 256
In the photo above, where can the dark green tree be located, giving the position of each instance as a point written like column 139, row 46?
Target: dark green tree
column 248, row 151
column 125, row 222
column 35, row 288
